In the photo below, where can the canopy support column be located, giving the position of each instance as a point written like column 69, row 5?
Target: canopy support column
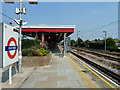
column 64, row 48
column 43, row 39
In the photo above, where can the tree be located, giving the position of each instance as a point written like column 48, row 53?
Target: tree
column 72, row 42
column 110, row 42
column 87, row 43
column 82, row 44
column 96, row 40
column 75, row 44
column 80, row 41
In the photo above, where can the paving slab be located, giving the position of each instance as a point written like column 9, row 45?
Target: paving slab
column 61, row 73
column 18, row 78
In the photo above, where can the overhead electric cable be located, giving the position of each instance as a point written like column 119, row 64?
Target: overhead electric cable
column 7, row 16
column 102, row 26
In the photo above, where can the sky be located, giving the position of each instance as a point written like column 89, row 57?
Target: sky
column 87, row 16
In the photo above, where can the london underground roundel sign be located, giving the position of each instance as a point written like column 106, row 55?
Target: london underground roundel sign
column 8, row 45
column 9, row 48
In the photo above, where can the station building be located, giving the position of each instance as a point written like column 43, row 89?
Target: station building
column 51, row 34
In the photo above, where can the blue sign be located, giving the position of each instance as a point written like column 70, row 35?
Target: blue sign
column 9, row 48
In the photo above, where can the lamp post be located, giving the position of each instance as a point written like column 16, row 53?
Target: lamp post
column 20, row 42
column 77, row 40
column 20, row 11
column 105, row 39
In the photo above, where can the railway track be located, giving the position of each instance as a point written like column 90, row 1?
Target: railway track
column 106, row 71
column 109, row 57
column 113, row 76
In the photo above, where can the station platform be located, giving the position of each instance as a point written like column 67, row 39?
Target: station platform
column 61, row 73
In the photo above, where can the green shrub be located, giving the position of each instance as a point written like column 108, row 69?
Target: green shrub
column 96, row 45
column 38, row 46
column 26, row 43
column 37, row 52
column 27, row 52
column 37, row 41
column 82, row 44
column 45, row 52
column 110, row 42
column 72, row 42
column 111, row 48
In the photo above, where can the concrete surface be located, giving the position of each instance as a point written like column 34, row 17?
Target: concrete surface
column 61, row 73
column 18, row 79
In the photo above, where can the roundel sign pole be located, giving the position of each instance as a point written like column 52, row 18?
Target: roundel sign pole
column 9, row 48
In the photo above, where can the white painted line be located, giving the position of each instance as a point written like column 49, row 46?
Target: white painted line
column 97, row 72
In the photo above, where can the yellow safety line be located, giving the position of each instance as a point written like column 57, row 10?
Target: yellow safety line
column 95, row 73
column 88, row 82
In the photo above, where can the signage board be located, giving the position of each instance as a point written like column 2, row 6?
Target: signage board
column 67, row 44
column 9, row 45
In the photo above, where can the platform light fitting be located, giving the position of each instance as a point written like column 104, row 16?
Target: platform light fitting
column 17, row 11
column 17, row 21
column 21, row 21
column 49, row 37
column 33, row 2
column 24, row 10
column 24, row 23
column 8, row 1
column 15, row 29
column 36, row 36
column 30, row 34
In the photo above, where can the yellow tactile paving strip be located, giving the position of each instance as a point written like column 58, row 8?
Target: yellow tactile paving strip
column 88, row 82
column 94, row 73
